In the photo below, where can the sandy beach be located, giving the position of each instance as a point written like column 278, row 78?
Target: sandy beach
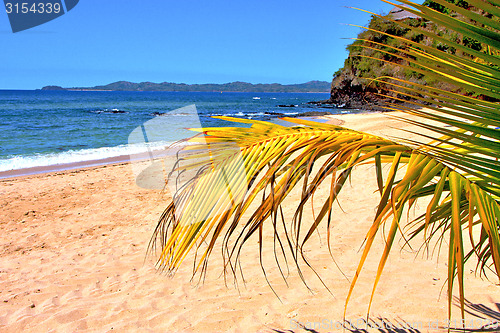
column 73, row 250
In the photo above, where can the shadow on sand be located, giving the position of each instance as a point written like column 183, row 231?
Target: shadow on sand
column 382, row 325
column 481, row 319
column 485, row 319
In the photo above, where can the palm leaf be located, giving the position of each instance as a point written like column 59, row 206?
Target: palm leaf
column 240, row 183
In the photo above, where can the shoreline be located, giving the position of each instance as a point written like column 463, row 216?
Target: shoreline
column 53, row 168
column 119, row 159
column 56, row 168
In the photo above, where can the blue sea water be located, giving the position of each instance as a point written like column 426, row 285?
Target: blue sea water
column 43, row 128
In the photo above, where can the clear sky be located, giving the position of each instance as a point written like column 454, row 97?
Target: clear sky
column 216, row 41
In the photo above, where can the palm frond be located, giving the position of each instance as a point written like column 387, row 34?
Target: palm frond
column 471, row 147
column 240, row 183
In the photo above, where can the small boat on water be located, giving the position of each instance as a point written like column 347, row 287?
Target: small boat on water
column 256, row 98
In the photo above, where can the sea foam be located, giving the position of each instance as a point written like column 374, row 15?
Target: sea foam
column 79, row 156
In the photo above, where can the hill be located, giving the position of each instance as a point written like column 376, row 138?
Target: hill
column 312, row 86
column 374, row 54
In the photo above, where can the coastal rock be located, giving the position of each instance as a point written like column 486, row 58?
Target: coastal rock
column 112, row 111
column 350, row 93
column 314, row 114
column 274, row 114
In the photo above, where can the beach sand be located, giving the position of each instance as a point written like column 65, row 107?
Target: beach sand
column 72, row 258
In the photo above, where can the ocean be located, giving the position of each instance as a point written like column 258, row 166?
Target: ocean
column 50, row 128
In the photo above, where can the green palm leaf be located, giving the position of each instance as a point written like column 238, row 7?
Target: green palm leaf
column 250, row 171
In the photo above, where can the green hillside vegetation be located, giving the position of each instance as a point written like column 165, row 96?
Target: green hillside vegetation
column 311, row 86
column 373, row 55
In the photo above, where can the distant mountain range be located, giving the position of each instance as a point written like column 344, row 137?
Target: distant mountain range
column 311, row 86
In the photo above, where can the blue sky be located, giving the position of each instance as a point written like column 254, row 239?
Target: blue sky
column 217, row 41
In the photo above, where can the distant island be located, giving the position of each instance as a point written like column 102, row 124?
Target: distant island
column 311, row 86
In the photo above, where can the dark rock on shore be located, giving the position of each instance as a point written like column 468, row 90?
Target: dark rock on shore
column 274, row 114
column 287, row 105
column 325, row 104
column 313, row 114
column 109, row 111
column 349, row 92
column 354, row 97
